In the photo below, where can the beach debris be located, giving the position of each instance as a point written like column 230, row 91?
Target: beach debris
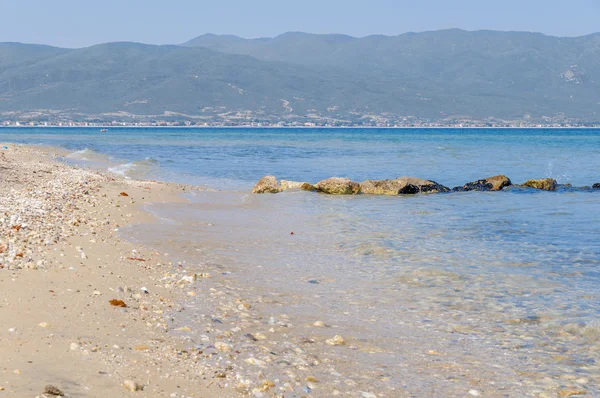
column 53, row 391
column 132, row 386
column 544, row 184
column 338, row 186
column 123, row 194
column 145, row 290
column 141, row 347
column 118, row 303
column 336, row 340
column 73, row 346
column 365, row 394
column 17, row 227
column 267, row 184
column 44, row 325
column 136, row 259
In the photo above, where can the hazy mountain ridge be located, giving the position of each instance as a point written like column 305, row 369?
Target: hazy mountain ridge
column 478, row 75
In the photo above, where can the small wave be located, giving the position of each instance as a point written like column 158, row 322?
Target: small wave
column 82, row 154
column 122, row 169
column 135, row 169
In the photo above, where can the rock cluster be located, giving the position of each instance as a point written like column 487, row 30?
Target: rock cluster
column 401, row 186
column 398, row 186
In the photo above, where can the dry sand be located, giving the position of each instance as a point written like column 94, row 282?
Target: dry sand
column 61, row 262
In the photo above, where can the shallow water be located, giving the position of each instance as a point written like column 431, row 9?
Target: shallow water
column 435, row 295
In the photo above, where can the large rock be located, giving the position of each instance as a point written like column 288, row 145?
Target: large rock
column 495, row 183
column 401, row 186
column 267, row 184
column 545, row 184
column 338, row 186
column 305, row 186
column 596, row 186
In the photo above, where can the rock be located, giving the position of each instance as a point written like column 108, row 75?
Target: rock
column 337, row 340
column 267, row 184
column 545, row 184
column 285, row 185
column 338, row 186
column 401, row 186
column 308, row 187
column 596, row 186
column 131, row 385
column 474, row 393
column 53, row 391
column 495, row 183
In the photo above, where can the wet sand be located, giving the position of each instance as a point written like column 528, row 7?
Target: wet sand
column 61, row 263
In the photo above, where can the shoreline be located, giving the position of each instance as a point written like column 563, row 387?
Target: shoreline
column 62, row 260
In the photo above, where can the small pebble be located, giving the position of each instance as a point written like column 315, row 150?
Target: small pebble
column 337, row 340
column 131, row 385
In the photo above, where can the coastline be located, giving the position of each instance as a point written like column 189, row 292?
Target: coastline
column 308, row 127
column 61, row 262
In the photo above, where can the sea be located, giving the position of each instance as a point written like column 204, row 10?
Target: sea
column 434, row 295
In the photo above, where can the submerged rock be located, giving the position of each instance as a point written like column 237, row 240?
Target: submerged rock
column 338, row 186
column 401, row 186
column 545, row 184
column 495, row 183
column 267, row 184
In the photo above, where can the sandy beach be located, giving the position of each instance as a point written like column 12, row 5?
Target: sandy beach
column 62, row 262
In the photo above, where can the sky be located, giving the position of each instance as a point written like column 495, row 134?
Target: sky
column 80, row 23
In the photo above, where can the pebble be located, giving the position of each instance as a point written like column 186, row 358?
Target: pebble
column 74, row 346
column 131, row 385
column 337, row 340
column 223, row 347
column 319, row 324
column 474, row 393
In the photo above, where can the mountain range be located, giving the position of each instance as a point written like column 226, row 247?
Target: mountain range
column 439, row 75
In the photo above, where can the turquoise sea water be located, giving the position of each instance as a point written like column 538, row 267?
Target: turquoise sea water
column 436, row 295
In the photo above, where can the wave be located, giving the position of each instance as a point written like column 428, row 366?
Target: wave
column 83, row 154
column 136, row 169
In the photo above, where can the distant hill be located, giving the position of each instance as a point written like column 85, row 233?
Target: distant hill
column 430, row 75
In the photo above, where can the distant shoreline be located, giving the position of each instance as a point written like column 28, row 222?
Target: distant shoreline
column 305, row 127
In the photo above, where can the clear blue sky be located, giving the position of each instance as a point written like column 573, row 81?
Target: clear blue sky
column 77, row 23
